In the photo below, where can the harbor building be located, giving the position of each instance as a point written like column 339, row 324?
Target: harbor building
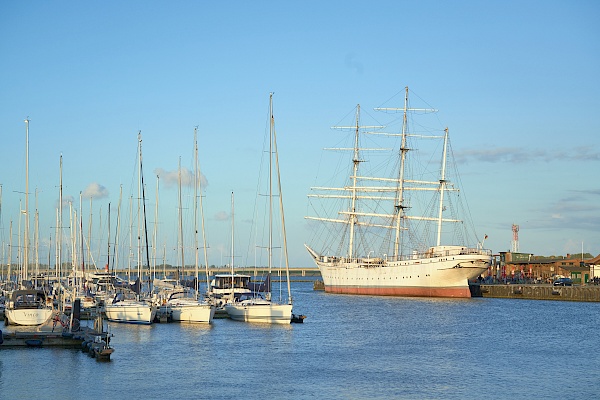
column 528, row 268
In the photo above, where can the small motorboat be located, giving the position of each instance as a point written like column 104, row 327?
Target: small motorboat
column 298, row 319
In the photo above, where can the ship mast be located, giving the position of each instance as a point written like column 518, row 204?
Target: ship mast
column 442, row 188
column 355, row 162
column 400, row 206
column 351, row 218
column 400, row 192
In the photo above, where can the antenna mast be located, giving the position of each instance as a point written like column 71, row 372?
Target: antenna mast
column 515, row 240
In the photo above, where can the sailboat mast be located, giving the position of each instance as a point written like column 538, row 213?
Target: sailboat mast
column 89, row 244
column 10, row 250
column 81, row 237
column 139, row 236
column 36, row 239
column 72, row 226
column 108, row 241
column 285, row 251
column 270, row 250
column 26, row 247
column 59, row 225
column 355, row 161
column 3, row 244
column 232, row 247
column 155, row 233
column 180, row 218
column 442, row 189
column 19, row 273
column 144, row 215
column 116, row 257
column 129, row 259
column 198, row 175
column 196, row 283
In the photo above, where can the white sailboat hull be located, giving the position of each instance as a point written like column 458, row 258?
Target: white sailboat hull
column 28, row 317
column 191, row 311
column 132, row 312
column 260, row 311
column 445, row 276
column 28, row 308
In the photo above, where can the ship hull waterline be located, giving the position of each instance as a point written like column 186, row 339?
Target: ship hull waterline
column 454, row 292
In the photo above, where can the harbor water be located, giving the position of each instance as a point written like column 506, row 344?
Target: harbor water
column 349, row 347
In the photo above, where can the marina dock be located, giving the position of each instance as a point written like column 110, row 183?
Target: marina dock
column 40, row 339
column 54, row 333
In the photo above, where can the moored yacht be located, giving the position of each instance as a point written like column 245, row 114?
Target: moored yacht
column 28, row 307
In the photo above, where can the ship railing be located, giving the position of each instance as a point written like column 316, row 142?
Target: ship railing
column 444, row 253
column 369, row 261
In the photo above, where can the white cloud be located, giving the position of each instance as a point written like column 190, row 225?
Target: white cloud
column 171, row 178
column 95, row 191
column 66, row 200
column 521, row 155
column 221, row 216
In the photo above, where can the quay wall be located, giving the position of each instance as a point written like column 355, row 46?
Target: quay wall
column 541, row 292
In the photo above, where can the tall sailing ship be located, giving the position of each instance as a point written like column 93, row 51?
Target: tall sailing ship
column 383, row 232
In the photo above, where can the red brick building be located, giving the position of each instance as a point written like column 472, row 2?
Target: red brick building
column 527, row 267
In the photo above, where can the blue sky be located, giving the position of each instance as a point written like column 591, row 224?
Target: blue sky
column 516, row 82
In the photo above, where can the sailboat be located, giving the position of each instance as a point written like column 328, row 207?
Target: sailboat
column 256, row 308
column 179, row 305
column 27, row 307
column 131, row 307
column 391, row 249
column 230, row 287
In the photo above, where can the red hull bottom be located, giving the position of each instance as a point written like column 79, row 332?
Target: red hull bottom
column 460, row 292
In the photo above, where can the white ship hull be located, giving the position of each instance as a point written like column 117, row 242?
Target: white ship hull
column 191, row 311
column 132, row 312
column 260, row 311
column 445, row 276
